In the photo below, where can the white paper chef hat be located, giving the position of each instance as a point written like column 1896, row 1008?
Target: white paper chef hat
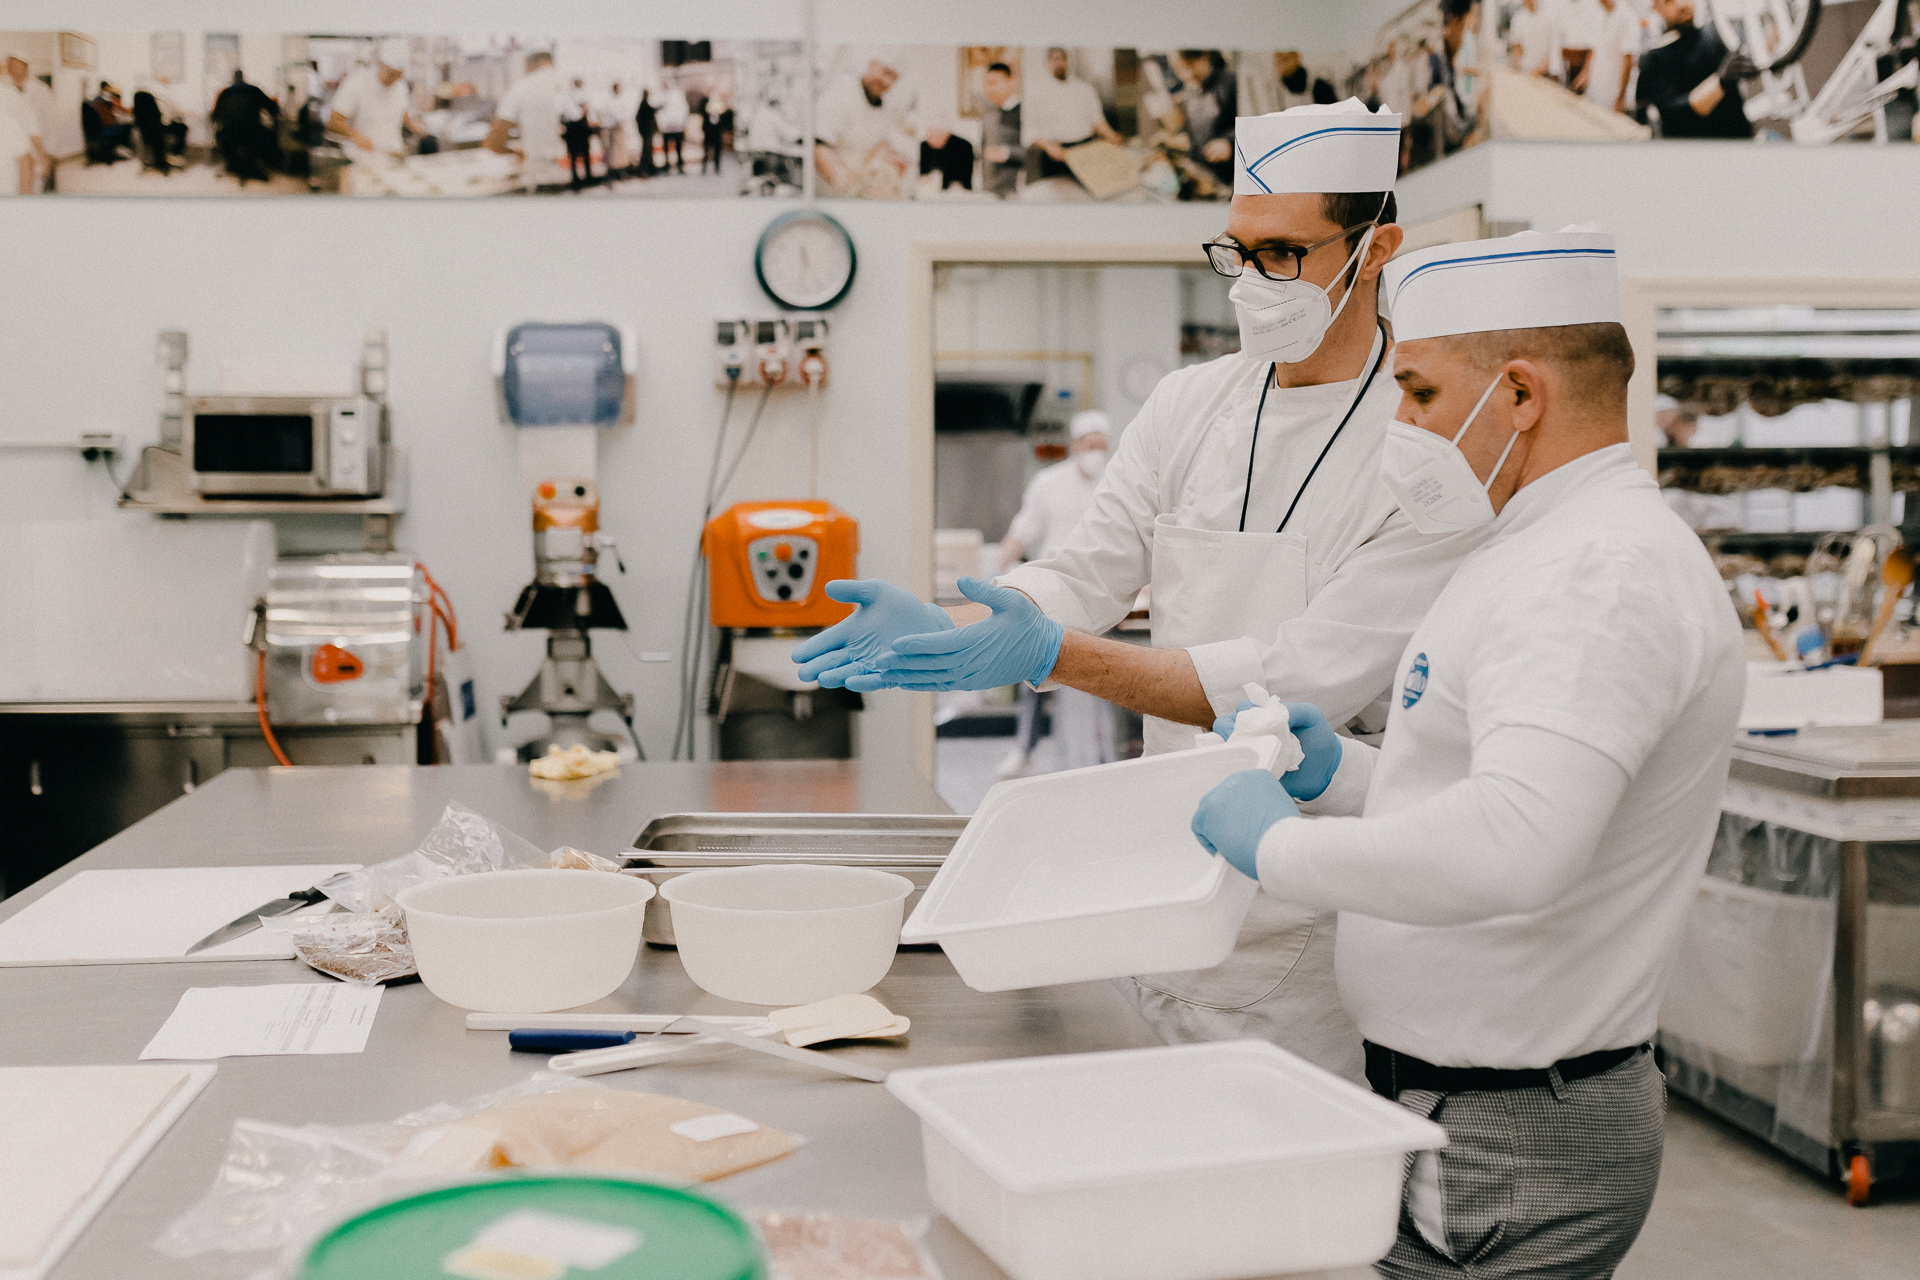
column 1334, row 147
column 1088, row 421
column 395, row 54
column 1535, row 280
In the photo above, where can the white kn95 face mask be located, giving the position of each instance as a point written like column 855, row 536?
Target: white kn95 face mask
column 1286, row 320
column 1433, row 481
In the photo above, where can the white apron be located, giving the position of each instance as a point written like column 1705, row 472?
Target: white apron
column 1212, row 585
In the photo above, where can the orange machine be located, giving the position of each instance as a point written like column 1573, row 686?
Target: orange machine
column 768, row 563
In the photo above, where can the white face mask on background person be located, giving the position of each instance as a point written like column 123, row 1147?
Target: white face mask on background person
column 1092, row 463
column 1433, row 481
column 1286, row 320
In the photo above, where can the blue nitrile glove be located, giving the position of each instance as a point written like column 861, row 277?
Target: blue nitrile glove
column 1223, row 724
column 853, row 644
column 1017, row 643
column 1322, row 747
column 1234, row 815
column 1318, row 742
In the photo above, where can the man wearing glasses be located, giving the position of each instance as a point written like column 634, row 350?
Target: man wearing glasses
column 1246, row 493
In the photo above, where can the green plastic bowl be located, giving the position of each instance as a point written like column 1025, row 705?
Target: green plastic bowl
column 684, row 1235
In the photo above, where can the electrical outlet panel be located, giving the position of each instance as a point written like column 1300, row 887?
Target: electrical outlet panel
column 733, row 354
column 767, row 349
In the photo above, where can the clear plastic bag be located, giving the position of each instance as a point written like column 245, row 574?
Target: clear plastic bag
column 461, row 843
column 279, row 1187
column 367, row 947
column 826, row 1246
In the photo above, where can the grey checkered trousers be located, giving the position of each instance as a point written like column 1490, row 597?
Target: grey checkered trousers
column 1539, row 1182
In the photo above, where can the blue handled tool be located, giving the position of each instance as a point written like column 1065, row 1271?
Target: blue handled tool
column 541, row 1040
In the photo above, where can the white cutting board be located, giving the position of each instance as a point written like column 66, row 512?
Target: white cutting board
column 74, row 1134
column 154, row 914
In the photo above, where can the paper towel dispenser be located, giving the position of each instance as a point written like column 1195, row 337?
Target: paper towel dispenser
column 565, row 374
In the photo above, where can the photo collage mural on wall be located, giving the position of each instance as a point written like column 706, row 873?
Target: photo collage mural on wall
column 198, row 113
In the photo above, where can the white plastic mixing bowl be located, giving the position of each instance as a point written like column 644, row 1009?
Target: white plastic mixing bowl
column 525, row 941
column 786, row 935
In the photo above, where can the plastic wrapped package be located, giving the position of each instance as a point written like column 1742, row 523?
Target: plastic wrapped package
column 368, row 947
column 278, row 1188
column 461, row 843
column 824, row 1246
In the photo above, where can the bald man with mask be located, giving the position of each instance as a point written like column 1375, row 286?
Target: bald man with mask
column 1513, row 866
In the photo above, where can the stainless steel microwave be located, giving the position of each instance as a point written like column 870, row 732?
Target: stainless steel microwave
column 285, row 445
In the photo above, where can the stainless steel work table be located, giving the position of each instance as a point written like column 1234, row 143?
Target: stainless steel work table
column 862, row 1154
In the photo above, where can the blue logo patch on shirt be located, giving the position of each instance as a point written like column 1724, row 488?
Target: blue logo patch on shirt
column 1416, row 681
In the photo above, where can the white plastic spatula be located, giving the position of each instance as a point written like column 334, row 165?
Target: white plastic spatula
column 841, row 1018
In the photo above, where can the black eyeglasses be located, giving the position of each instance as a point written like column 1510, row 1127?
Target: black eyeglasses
column 1276, row 262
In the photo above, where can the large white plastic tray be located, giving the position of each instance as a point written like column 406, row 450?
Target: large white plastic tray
column 1088, row 874
column 1190, row 1162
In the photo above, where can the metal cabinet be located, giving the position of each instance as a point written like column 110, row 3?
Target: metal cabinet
column 73, row 774
column 1793, row 1006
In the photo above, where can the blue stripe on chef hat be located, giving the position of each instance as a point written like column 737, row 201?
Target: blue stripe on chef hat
column 1529, row 281
column 1339, row 147
column 1252, row 167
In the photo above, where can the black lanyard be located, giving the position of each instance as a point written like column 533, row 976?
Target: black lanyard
column 1262, row 408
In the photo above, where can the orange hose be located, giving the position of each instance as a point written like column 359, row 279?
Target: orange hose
column 260, row 706
column 441, row 602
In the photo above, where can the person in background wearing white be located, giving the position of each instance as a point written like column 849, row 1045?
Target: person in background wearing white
column 616, row 112
column 1579, row 27
column 674, row 114
column 370, row 110
column 30, row 104
column 532, row 107
column 1533, row 39
column 1247, row 493
column 1616, row 40
column 17, row 170
column 1532, row 832
column 1060, row 112
column 1053, row 506
column 863, row 125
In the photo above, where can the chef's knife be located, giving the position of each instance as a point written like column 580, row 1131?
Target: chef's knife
column 249, row 922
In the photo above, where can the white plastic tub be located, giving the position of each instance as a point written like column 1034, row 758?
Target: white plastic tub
column 1093, row 873
column 527, row 941
column 1191, row 1162
column 786, row 935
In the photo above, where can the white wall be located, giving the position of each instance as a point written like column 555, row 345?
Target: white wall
column 1740, row 208
column 1139, row 338
column 89, row 282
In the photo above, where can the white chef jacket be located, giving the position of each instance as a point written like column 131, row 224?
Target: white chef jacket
column 375, row 109
column 1617, row 35
column 1059, row 110
column 14, row 143
column 1536, row 35
column 1540, row 812
column 533, row 104
column 1370, row 574
column 1579, row 23
column 31, row 107
column 617, row 110
column 845, row 120
column 1056, row 500
column 673, row 111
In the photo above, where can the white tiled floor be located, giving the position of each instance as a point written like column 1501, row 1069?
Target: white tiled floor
column 1731, row 1208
